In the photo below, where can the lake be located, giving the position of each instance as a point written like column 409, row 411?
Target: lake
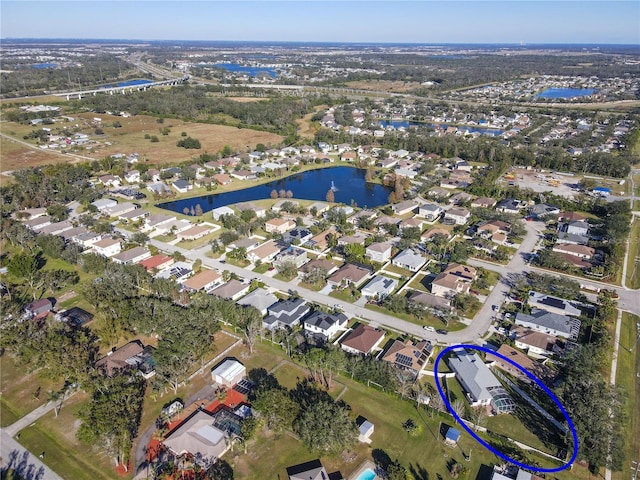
column 566, row 92
column 252, row 71
column 407, row 124
column 310, row 185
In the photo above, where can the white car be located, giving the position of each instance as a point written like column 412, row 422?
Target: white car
column 429, row 329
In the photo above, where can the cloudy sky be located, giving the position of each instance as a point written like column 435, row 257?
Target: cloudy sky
column 425, row 21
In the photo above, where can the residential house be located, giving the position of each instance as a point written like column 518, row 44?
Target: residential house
column 104, row 203
column 294, row 255
column 279, row 225
column 228, row 373
column 218, row 212
column 132, row 176
column 457, row 216
column 313, row 470
column 37, row 307
column 571, row 217
column 233, row 290
column 326, row 266
column 379, row 287
column 154, row 221
column 88, row 239
column 260, row 299
column 121, row 209
column 132, row 256
column 454, row 279
column 158, row 188
column 182, row 186
column 410, row 260
column 173, row 227
column 75, row 316
column 575, row 228
column 110, row 180
column 132, row 356
column 351, row 239
column 321, row 241
column 248, row 244
column 198, row 437
column 286, row 313
column 203, row 280
column 157, row 262
column 259, row 211
column 222, row 179
column 178, row 272
column 552, row 304
column 319, row 207
column 133, row 216
column 363, row 339
column 55, row 228
column 404, row 207
column 509, row 205
column 193, row 233
column 430, row 211
column 479, row 383
column 325, row 325
column 409, row 357
column 432, row 232
column 378, row 252
column 348, row 274
column 265, row 253
column 542, row 210
column 411, row 223
column 538, row 369
column 244, row 175
column 277, row 207
column 483, row 202
column 297, row 236
column 30, row 213
column 460, row 198
column 550, row 323
column 107, row 247
column 536, row 344
column 430, row 301
column 580, row 251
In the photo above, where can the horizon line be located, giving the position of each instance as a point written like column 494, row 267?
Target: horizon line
column 336, row 42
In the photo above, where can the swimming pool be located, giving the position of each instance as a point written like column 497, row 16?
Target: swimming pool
column 367, row 474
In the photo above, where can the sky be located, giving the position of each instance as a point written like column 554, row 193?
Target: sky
column 419, row 21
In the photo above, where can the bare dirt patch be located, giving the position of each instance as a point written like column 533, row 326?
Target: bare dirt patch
column 14, row 156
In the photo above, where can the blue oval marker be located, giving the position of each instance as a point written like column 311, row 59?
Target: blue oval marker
column 481, row 441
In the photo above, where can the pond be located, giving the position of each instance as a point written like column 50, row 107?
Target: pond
column 348, row 186
column 251, row 71
column 566, row 92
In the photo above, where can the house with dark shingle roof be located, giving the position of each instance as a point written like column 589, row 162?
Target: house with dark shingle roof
column 363, row 339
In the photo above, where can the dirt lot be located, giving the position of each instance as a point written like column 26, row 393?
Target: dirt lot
column 14, row 156
column 543, row 181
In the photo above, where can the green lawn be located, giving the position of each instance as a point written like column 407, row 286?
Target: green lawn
column 288, row 374
column 262, row 268
column 633, row 267
column 67, row 456
column 344, row 295
column 22, row 392
column 628, row 367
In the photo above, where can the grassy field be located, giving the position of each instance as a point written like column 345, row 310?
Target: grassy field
column 384, row 86
column 22, row 392
column 633, row 271
column 626, row 378
column 16, row 155
column 67, row 456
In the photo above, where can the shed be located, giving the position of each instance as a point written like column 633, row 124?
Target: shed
column 452, row 437
column 229, row 372
column 365, row 430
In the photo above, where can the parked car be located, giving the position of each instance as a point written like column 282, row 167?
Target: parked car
column 429, row 328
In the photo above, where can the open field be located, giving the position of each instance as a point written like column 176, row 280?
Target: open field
column 627, row 379
column 66, row 455
column 16, row 156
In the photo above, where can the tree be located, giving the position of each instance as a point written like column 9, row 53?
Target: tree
column 330, row 197
column 276, row 407
column 288, row 269
column 251, row 324
column 274, row 194
column 189, row 143
column 220, row 470
column 58, row 212
column 25, row 267
column 325, row 426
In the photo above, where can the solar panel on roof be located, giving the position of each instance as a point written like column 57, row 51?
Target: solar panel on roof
column 403, row 360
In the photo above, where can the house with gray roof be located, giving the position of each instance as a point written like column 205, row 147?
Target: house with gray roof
column 260, row 299
column 286, row 313
column 479, row 383
column 410, row 260
column 233, row 290
column 379, row 287
column 325, row 325
column 552, row 304
column 430, row 211
column 550, row 323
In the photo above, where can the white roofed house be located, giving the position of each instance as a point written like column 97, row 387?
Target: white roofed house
column 264, row 253
column 479, row 383
column 550, row 323
column 379, row 287
column 193, row 232
column 260, row 299
column 410, row 260
column 154, row 221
